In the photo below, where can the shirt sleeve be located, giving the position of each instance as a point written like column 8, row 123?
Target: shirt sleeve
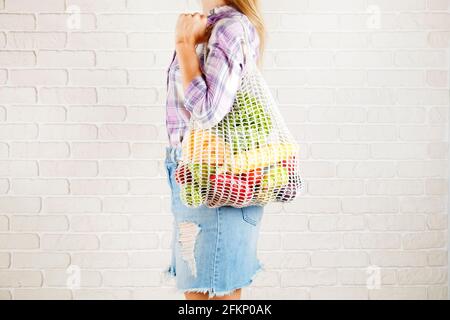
column 210, row 96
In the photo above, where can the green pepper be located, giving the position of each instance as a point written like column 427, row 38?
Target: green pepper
column 250, row 121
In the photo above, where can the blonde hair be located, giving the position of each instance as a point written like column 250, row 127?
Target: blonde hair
column 252, row 9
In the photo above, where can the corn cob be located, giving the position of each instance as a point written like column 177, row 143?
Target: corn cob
column 261, row 157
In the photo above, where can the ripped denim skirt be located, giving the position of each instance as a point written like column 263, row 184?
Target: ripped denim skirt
column 214, row 250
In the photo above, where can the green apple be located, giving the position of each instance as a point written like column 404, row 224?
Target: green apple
column 191, row 195
column 275, row 177
column 201, row 172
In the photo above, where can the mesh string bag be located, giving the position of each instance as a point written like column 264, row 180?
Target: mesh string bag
column 248, row 158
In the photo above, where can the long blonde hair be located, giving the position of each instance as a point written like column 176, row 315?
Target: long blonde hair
column 252, row 9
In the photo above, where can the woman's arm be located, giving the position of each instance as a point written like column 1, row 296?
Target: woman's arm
column 210, row 95
column 189, row 63
column 191, row 29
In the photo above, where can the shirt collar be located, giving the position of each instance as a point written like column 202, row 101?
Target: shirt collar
column 220, row 10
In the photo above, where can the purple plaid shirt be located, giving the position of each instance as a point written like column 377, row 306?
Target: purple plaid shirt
column 210, row 96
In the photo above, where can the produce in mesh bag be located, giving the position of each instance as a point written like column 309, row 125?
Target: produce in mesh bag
column 201, row 172
column 288, row 191
column 261, row 157
column 253, row 177
column 190, row 195
column 183, row 174
column 205, row 146
column 273, row 179
column 226, row 187
column 250, row 122
column 248, row 158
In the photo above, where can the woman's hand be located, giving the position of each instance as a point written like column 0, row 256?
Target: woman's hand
column 191, row 29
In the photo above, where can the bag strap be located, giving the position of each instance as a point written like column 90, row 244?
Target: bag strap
column 246, row 44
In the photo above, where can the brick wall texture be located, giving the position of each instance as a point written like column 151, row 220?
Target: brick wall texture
column 84, row 200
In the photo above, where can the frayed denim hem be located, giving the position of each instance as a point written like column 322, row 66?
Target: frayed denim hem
column 210, row 292
column 170, row 271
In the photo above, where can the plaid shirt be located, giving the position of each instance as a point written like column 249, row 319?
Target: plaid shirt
column 210, row 96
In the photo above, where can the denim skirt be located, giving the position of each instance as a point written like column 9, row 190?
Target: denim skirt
column 214, row 250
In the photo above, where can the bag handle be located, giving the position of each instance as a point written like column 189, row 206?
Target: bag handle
column 245, row 48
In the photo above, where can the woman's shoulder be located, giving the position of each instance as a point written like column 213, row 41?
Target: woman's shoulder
column 233, row 28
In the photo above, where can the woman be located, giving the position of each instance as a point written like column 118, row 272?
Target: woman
column 213, row 249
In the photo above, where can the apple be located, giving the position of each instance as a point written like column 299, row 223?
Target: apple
column 191, row 195
column 201, row 172
column 275, row 177
column 226, row 186
column 253, row 177
column 183, row 174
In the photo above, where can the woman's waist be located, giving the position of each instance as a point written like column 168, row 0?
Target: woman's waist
column 173, row 153
column 176, row 135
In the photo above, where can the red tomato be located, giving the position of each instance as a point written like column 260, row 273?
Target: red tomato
column 253, row 177
column 183, row 175
column 225, row 185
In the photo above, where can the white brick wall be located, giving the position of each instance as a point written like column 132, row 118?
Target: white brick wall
column 363, row 85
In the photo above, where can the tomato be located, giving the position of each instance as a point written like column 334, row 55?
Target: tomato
column 226, row 187
column 253, row 177
column 183, row 174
